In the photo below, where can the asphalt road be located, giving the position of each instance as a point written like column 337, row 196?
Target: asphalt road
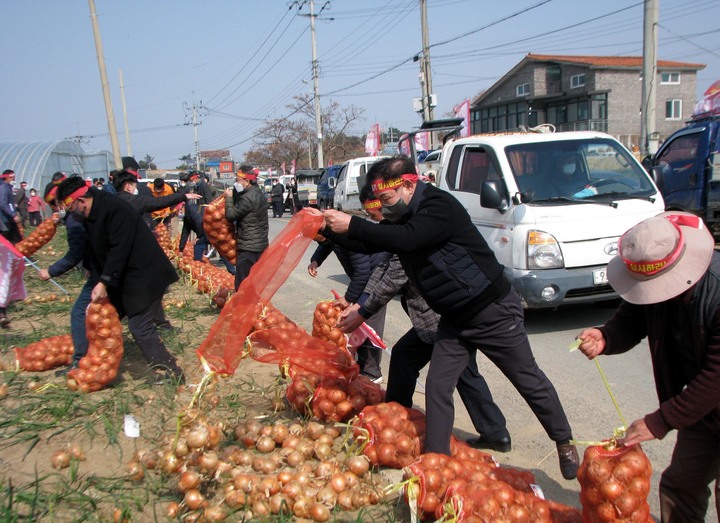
column 578, row 381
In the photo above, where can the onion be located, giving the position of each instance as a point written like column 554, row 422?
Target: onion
column 279, row 504
column 76, row 452
column 358, row 465
column 338, row 482
column 60, row 459
column 172, row 510
column 208, row 461
column 170, row 463
column 235, row 498
column 265, row 444
column 189, row 480
column 135, row 470
column 301, row 507
column 319, row 512
column 215, row 513
column 198, row 437
column 194, row 499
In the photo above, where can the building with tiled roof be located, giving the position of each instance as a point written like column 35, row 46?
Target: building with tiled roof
column 601, row 93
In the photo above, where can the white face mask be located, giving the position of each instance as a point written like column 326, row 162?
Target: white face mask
column 239, row 187
column 62, row 213
column 135, row 191
column 568, row 169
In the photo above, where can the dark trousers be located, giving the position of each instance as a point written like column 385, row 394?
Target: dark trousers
column 244, row 262
column 13, row 232
column 278, row 208
column 35, row 218
column 144, row 330
column 684, row 485
column 499, row 332
column 77, row 320
column 410, row 354
column 368, row 355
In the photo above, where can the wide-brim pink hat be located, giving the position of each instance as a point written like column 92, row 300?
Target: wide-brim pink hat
column 661, row 257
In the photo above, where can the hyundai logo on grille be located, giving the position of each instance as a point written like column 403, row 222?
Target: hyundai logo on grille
column 611, row 249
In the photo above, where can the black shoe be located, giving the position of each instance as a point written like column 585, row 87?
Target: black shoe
column 569, row 460
column 63, row 372
column 499, row 445
column 4, row 320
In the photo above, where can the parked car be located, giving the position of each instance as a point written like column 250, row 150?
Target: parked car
column 325, row 193
column 431, row 164
column 350, row 179
column 551, row 207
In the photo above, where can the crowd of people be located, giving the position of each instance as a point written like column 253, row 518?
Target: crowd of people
column 420, row 243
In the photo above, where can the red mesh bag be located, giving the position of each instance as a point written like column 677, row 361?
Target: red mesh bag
column 393, row 434
column 491, row 500
column 219, row 231
column 324, row 319
column 162, row 235
column 297, row 351
column 429, row 476
column 560, row 513
column 518, row 479
column 614, row 484
column 268, row 317
column 105, row 349
column 38, row 238
column 223, row 346
column 338, row 399
column 45, row 354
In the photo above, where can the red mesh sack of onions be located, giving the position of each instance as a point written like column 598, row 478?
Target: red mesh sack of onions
column 614, row 484
column 105, row 349
column 45, row 354
column 39, row 237
column 162, row 235
column 324, row 319
column 392, row 435
column 219, row 231
column 268, row 317
column 522, row 480
column 297, row 351
column 332, row 399
column 483, row 500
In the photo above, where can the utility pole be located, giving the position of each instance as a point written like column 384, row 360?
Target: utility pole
column 106, row 90
column 316, row 85
column 125, row 119
column 425, row 72
column 649, row 139
column 194, row 113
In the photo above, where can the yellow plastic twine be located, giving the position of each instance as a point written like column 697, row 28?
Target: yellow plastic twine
column 618, row 432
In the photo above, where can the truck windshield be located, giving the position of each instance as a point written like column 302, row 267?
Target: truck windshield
column 593, row 169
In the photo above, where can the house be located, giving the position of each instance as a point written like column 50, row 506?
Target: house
column 601, row 93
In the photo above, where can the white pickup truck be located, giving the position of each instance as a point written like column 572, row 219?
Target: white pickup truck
column 551, row 206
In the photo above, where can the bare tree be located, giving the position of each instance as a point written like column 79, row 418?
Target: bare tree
column 284, row 140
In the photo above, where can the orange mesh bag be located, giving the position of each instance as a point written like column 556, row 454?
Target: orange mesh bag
column 338, row 399
column 222, row 349
column 518, row 479
column 296, row 350
column 219, row 231
column 484, row 500
column 393, row 435
column 38, row 238
column 105, row 349
column 324, row 319
column 162, row 235
column 614, row 484
column 45, row 354
column 560, row 513
column 268, row 317
column 428, row 478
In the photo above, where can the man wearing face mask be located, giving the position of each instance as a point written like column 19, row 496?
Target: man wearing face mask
column 245, row 206
column 132, row 270
column 127, row 189
column 456, row 272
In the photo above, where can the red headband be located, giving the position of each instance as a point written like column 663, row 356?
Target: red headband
column 72, row 197
column 652, row 267
column 372, row 204
column 380, row 185
column 51, row 195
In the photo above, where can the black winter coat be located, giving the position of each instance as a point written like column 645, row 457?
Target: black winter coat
column 125, row 254
column 248, row 211
column 147, row 204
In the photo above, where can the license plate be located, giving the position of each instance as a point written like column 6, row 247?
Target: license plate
column 600, row 277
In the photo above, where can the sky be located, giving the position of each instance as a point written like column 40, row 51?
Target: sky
column 241, row 62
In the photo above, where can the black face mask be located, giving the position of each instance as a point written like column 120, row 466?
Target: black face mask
column 393, row 213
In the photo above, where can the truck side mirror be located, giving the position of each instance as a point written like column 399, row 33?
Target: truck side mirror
column 332, row 182
column 658, row 175
column 490, row 197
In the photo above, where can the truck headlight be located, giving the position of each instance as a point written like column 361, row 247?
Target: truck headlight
column 543, row 251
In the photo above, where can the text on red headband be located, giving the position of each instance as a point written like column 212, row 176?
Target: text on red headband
column 372, row 204
column 379, row 186
column 69, row 199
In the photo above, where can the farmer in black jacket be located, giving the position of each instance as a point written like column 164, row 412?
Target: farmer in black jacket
column 126, row 185
column 245, row 206
column 133, row 271
column 452, row 266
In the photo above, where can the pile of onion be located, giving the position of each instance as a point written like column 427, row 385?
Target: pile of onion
column 219, row 231
column 268, row 317
column 39, row 237
column 45, row 354
column 105, row 349
column 209, row 279
column 392, row 435
column 162, row 235
column 324, row 320
column 338, row 399
column 614, row 484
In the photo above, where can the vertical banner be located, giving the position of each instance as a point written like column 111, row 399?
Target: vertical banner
column 292, row 168
column 422, row 141
column 462, row 110
column 372, row 141
column 282, row 168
